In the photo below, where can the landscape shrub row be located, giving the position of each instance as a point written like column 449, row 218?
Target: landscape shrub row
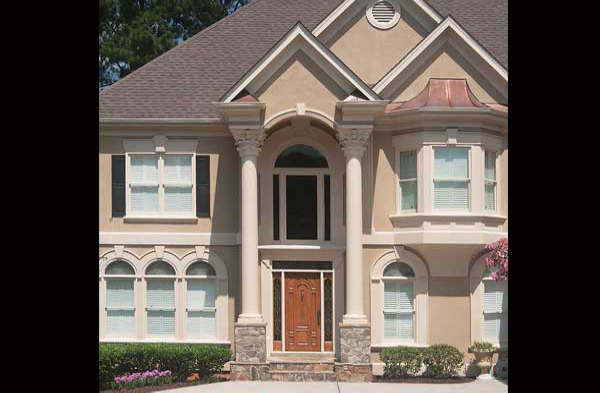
column 440, row 361
column 117, row 360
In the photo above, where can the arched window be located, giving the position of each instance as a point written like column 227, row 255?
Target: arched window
column 489, row 305
column 301, row 156
column 398, row 303
column 399, row 299
column 495, row 309
column 160, row 299
column 202, row 283
column 301, row 195
column 120, row 299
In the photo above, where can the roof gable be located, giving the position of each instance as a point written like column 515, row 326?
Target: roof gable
column 299, row 38
column 447, row 32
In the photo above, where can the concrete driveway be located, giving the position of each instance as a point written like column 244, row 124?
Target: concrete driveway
column 490, row 386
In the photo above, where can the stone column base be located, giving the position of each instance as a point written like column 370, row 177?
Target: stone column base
column 354, row 372
column 355, row 344
column 250, row 342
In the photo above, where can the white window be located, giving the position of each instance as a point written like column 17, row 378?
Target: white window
column 495, row 311
column 398, row 303
column 451, row 178
column 160, row 299
column 201, row 295
column 408, row 180
column 120, row 303
column 161, row 185
column 490, row 180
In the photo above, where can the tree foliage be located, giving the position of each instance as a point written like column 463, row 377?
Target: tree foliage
column 133, row 32
column 498, row 259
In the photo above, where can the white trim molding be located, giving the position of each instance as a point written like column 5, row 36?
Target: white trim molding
column 421, row 290
column 299, row 38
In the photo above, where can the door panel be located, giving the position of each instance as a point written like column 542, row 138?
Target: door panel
column 302, row 307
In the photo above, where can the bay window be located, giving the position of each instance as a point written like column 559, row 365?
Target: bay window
column 408, row 180
column 490, row 180
column 451, row 178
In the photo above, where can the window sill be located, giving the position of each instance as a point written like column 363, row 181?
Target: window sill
column 460, row 218
column 173, row 219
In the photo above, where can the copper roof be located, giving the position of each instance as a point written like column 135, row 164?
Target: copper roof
column 441, row 93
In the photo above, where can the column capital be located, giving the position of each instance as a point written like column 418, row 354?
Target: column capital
column 248, row 141
column 353, row 142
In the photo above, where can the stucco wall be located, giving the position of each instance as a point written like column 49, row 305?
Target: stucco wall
column 300, row 80
column 224, row 190
column 447, row 63
column 384, row 192
column 359, row 40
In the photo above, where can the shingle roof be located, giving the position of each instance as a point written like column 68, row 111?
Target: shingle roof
column 183, row 82
column 485, row 20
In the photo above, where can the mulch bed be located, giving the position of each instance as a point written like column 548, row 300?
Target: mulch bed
column 425, row 380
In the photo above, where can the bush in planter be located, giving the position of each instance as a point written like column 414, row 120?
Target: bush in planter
column 482, row 346
column 401, row 362
column 442, row 361
column 116, row 360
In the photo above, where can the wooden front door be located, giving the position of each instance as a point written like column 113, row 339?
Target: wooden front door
column 302, row 312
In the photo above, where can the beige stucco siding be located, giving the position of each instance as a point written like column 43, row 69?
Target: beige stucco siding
column 300, row 80
column 448, row 63
column 384, row 192
column 449, row 312
column 359, row 40
column 224, row 190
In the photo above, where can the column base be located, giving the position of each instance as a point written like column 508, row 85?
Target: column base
column 250, row 342
column 355, row 343
column 355, row 319
column 250, row 319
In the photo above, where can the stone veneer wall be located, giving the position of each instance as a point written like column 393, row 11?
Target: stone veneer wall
column 250, row 343
column 355, row 343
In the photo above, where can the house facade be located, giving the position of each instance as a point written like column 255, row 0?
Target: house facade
column 310, row 180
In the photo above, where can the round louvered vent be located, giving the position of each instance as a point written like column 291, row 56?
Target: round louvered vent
column 383, row 14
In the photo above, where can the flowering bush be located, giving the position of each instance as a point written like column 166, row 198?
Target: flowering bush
column 498, row 259
column 148, row 378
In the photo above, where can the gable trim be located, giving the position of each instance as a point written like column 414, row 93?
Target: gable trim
column 341, row 9
column 256, row 73
column 448, row 24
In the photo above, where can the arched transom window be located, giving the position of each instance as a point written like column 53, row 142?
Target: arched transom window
column 202, row 283
column 301, row 195
column 160, row 299
column 120, row 299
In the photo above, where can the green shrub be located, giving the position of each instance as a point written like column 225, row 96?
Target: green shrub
column 182, row 360
column 482, row 346
column 442, row 361
column 401, row 362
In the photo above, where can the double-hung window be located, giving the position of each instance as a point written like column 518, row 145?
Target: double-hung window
column 201, row 295
column 120, row 304
column 490, row 180
column 398, row 303
column 495, row 311
column 408, row 180
column 161, row 185
column 451, row 178
column 160, row 299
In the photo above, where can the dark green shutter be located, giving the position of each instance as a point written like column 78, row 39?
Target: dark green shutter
column 203, row 186
column 118, row 186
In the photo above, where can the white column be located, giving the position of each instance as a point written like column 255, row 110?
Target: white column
column 248, row 145
column 353, row 145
